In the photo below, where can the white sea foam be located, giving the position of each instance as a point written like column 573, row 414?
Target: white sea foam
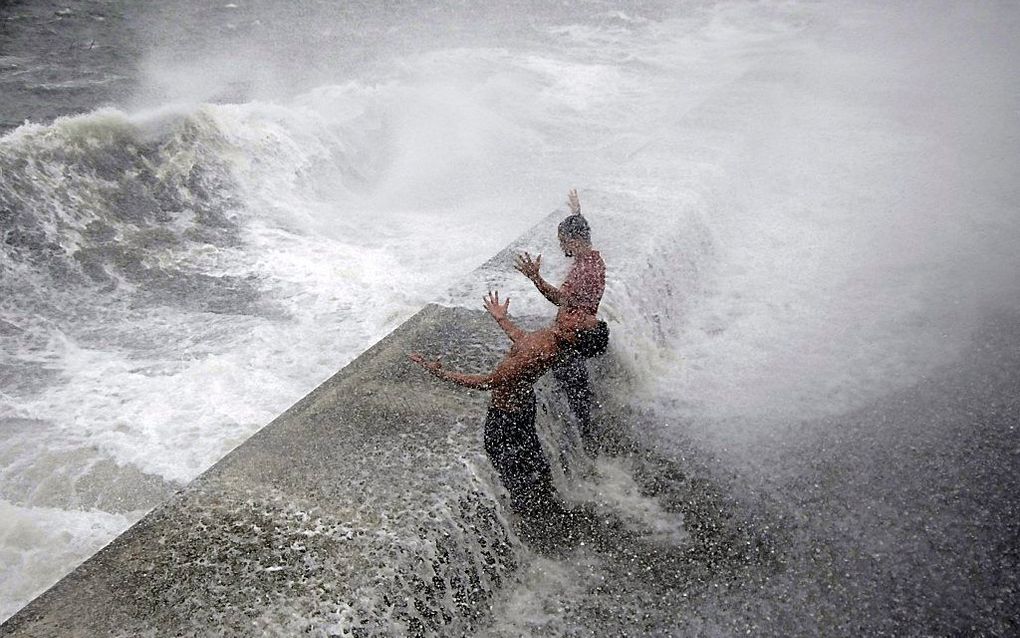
column 39, row 545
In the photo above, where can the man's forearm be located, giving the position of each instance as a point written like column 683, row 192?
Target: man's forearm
column 509, row 328
column 549, row 291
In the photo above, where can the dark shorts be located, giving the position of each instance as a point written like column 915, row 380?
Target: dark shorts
column 592, row 342
column 571, row 374
column 514, row 449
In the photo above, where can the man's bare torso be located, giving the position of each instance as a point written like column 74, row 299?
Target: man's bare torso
column 529, row 357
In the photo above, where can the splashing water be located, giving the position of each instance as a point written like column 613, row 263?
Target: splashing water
column 803, row 209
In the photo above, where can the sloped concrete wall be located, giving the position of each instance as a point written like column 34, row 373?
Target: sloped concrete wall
column 369, row 509
column 366, row 508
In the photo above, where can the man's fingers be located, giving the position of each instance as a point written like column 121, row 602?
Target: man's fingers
column 573, row 201
column 528, row 265
column 420, row 359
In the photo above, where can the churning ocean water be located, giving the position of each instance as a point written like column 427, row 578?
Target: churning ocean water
column 808, row 211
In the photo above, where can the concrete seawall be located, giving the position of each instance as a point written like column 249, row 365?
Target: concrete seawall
column 367, row 507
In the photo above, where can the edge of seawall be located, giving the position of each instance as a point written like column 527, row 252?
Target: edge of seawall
column 369, row 508
column 365, row 506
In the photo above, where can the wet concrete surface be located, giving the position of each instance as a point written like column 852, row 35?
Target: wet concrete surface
column 366, row 505
column 368, row 509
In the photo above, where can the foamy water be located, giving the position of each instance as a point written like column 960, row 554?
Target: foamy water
column 797, row 207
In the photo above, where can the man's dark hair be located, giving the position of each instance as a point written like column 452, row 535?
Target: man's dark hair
column 575, row 227
column 593, row 342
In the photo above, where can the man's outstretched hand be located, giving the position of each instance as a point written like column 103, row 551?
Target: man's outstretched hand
column 574, row 202
column 527, row 266
column 432, row 366
column 496, row 309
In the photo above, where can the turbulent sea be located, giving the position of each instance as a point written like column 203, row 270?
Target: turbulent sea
column 809, row 212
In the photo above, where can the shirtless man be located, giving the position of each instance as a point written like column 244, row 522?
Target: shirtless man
column 511, row 441
column 579, row 297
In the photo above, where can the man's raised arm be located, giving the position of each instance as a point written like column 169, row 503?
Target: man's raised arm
column 529, row 268
column 510, row 370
